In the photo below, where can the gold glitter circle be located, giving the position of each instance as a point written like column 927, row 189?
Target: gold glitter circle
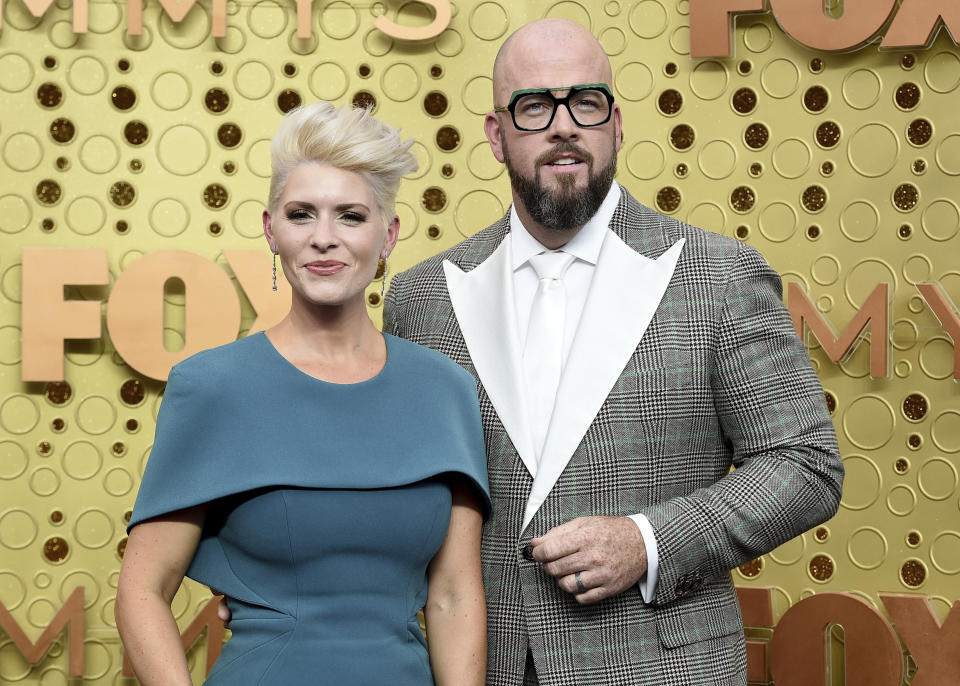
column 365, row 99
column 828, row 134
column 435, row 103
column 744, row 100
column 913, row 573
column 756, row 169
column 915, row 407
column 136, row 132
column 44, row 448
column 821, row 567
column 913, row 538
column 752, row 568
column 132, row 392
column 831, row 401
column 433, row 231
column 756, row 136
column 670, row 101
column 668, row 199
column 682, row 136
column 62, row 130
column 822, row 533
column 58, row 392
column 229, row 135
column 906, row 196
column 448, row 138
column 914, row 441
column 215, row 196
column 433, row 199
column 901, row 466
column 288, row 99
column 815, row 98
column 49, row 95
column 216, row 100
column 55, row 549
column 742, row 198
column 122, row 194
column 123, row 97
column 907, row 96
column 905, row 231
column 907, row 61
column 48, row 192
column 919, row 132
column 742, row 232
column 814, row 198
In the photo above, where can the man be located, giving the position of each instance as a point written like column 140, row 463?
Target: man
column 614, row 411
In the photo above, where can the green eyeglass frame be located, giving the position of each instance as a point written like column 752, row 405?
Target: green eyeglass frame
column 565, row 101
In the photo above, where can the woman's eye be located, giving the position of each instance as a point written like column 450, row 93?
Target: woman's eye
column 298, row 215
column 353, row 218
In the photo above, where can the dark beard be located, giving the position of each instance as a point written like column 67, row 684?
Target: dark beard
column 568, row 207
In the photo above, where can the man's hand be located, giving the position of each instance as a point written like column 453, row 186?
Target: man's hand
column 608, row 553
column 223, row 610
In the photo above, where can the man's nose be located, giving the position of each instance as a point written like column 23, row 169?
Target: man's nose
column 563, row 125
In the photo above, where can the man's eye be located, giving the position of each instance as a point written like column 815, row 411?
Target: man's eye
column 587, row 104
column 534, row 107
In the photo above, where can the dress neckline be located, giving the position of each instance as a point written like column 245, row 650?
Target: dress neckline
column 291, row 366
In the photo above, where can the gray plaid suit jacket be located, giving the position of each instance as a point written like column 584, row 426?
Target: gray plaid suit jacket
column 718, row 380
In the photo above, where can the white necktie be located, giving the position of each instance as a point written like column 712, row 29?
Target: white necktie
column 543, row 350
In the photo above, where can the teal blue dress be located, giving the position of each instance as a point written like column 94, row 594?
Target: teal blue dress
column 326, row 504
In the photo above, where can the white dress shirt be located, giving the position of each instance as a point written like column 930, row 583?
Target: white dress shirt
column 585, row 247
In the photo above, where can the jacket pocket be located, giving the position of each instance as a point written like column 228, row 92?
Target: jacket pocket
column 711, row 613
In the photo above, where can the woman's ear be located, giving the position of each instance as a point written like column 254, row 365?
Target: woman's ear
column 393, row 234
column 268, row 231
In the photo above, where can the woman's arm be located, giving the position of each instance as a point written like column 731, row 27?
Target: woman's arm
column 456, row 610
column 157, row 556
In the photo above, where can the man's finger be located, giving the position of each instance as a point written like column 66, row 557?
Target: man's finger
column 567, row 565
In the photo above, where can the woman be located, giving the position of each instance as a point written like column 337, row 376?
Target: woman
column 319, row 472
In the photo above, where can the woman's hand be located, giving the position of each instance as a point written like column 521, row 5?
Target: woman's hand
column 456, row 610
column 157, row 556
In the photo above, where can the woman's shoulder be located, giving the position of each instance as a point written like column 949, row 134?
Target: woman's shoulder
column 415, row 359
column 231, row 361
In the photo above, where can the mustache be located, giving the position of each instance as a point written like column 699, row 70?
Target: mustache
column 561, row 148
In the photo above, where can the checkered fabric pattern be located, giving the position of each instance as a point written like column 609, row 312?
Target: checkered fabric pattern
column 719, row 380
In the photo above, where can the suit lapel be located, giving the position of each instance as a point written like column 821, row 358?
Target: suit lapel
column 624, row 281
column 484, row 305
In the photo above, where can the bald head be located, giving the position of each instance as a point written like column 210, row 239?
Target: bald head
column 538, row 53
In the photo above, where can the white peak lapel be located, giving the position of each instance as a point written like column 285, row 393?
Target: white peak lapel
column 483, row 302
column 624, row 295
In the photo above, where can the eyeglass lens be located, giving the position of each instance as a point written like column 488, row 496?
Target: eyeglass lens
column 587, row 108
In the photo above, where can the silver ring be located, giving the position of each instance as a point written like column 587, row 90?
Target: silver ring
column 579, row 581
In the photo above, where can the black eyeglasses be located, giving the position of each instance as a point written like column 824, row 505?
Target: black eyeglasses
column 533, row 109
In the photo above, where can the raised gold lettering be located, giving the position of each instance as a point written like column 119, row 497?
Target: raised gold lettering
column 135, row 310
column 69, row 617
column 440, row 22
column 47, row 318
column 798, row 649
column 935, row 647
column 875, row 312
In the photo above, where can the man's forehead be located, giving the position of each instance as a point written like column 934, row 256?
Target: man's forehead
column 550, row 71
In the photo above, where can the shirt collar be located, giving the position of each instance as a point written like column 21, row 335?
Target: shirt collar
column 585, row 245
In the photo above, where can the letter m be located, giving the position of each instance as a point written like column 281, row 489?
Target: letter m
column 875, row 312
column 176, row 10
column 38, row 7
column 70, row 617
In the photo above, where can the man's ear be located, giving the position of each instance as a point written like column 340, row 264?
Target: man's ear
column 491, row 127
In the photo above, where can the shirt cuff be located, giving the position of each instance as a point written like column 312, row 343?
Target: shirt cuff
column 648, row 582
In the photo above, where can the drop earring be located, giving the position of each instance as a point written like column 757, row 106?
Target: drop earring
column 382, row 268
column 274, row 270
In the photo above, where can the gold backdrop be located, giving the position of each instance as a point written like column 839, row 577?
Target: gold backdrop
column 839, row 168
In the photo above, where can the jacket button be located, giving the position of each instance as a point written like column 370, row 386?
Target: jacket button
column 527, row 552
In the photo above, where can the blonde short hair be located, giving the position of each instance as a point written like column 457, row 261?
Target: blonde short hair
column 345, row 137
